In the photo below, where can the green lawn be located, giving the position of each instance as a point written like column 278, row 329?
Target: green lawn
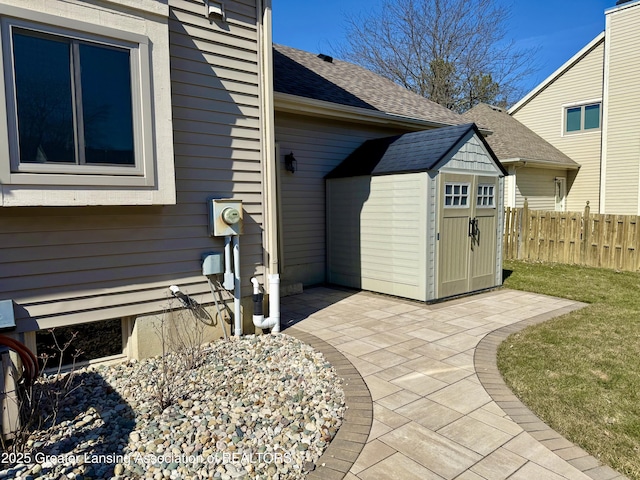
column 580, row 372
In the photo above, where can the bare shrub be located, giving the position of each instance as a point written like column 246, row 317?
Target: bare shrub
column 40, row 403
column 181, row 332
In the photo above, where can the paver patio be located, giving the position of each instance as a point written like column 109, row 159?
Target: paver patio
column 425, row 399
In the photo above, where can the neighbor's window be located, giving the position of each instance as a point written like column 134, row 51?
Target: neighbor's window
column 73, row 108
column 582, row 118
column 485, row 196
column 456, row 195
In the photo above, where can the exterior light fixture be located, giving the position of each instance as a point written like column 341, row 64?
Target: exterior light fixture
column 290, row 163
column 214, row 10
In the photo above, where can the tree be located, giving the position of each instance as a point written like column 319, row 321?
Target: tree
column 453, row 52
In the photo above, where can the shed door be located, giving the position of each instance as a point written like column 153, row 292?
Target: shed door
column 467, row 233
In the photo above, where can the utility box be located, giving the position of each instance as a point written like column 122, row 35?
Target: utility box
column 225, row 217
column 212, row 263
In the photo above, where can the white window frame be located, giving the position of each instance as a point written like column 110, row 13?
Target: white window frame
column 140, row 175
column 581, row 105
column 491, row 196
column 460, row 195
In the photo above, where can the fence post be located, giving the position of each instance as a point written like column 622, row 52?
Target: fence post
column 586, row 235
column 523, row 230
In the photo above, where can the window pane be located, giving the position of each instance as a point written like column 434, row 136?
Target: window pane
column 106, row 105
column 43, row 96
column 592, row 116
column 573, row 119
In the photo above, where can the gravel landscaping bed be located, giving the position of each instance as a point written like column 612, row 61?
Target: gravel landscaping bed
column 261, row 407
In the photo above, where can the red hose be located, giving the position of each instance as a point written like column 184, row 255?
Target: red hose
column 28, row 359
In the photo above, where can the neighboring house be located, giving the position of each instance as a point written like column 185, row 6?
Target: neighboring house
column 537, row 170
column 105, row 205
column 589, row 108
column 324, row 110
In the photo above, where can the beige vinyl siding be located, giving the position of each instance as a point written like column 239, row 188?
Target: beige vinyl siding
column 378, row 233
column 621, row 159
column 81, row 264
column 318, row 147
column 538, row 186
column 544, row 114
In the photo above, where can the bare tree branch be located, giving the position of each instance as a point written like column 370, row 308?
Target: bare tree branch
column 454, row 52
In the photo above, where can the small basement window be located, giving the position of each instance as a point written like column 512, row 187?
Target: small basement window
column 456, row 195
column 93, row 341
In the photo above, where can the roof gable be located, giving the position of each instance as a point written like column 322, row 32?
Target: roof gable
column 411, row 152
column 559, row 72
column 304, row 74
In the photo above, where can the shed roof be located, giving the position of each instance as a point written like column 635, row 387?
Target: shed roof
column 305, row 74
column 410, row 152
column 511, row 140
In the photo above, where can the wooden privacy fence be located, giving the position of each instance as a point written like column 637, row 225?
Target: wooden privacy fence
column 583, row 238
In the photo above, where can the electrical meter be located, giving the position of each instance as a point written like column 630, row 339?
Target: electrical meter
column 225, row 217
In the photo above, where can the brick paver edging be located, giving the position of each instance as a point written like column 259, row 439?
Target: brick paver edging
column 346, row 446
column 485, row 361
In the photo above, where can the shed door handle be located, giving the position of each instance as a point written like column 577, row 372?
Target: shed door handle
column 473, row 227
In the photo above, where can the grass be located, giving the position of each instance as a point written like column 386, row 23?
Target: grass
column 580, row 372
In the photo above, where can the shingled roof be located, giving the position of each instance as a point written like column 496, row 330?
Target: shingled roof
column 305, row 74
column 410, row 152
column 511, row 141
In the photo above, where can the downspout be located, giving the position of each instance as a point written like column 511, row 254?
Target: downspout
column 270, row 168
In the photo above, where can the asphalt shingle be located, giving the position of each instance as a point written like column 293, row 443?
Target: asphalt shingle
column 304, row 74
column 512, row 140
column 411, row 152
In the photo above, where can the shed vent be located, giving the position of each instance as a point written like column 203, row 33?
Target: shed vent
column 326, row 58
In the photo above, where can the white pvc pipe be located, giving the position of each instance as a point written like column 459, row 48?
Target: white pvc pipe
column 274, row 301
column 237, row 313
column 228, row 274
column 273, row 321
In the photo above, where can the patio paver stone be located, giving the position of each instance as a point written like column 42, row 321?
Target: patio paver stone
column 425, row 399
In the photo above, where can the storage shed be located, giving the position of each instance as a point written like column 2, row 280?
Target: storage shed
column 418, row 215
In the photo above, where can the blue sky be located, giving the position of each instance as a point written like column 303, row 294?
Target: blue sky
column 559, row 28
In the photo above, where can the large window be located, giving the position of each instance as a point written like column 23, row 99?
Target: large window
column 582, row 118
column 73, row 101
column 80, row 106
column 84, row 118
